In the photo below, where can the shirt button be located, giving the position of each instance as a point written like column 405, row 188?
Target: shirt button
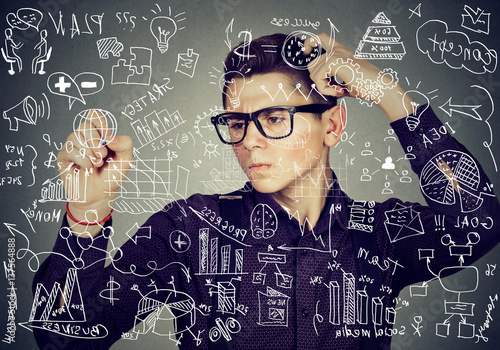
column 303, row 251
column 304, row 312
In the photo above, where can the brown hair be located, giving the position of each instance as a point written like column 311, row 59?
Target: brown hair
column 266, row 58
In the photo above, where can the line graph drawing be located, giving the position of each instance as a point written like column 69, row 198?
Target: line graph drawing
column 145, row 188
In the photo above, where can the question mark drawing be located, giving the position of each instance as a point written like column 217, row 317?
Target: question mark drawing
column 124, row 16
column 126, row 20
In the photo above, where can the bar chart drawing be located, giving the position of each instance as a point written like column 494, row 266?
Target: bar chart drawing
column 53, row 188
column 362, row 307
column 155, row 125
column 225, row 255
column 377, row 311
column 354, row 306
column 209, row 256
column 226, row 298
column 349, row 301
column 334, row 316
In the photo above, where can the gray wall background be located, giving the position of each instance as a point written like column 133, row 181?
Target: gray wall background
column 205, row 31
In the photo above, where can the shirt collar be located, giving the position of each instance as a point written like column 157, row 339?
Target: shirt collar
column 337, row 201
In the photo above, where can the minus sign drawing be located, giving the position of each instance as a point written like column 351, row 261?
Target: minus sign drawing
column 88, row 84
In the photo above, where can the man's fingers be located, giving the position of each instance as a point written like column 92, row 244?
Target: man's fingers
column 311, row 43
column 94, row 131
column 323, row 39
column 318, row 71
column 122, row 146
column 91, row 145
column 71, row 154
column 327, row 42
column 74, row 151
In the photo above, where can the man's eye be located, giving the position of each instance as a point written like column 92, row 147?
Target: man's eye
column 275, row 119
column 277, row 116
column 236, row 125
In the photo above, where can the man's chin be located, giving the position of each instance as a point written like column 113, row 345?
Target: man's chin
column 265, row 185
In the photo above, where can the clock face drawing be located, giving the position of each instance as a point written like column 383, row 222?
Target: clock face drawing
column 451, row 177
column 293, row 49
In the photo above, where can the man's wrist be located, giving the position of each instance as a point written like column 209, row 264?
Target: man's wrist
column 396, row 104
column 87, row 220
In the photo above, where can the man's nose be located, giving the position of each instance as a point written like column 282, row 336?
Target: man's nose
column 253, row 137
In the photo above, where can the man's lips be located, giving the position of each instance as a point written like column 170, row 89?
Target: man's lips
column 258, row 166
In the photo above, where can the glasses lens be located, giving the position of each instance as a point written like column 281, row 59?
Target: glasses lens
column 276, row 122
column 231, row 127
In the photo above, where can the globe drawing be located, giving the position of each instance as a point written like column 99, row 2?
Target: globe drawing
column 94, row 127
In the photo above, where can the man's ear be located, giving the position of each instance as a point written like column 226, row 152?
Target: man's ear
column 335, row 122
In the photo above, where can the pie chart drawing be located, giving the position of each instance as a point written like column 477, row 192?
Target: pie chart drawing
column 159, row 308
column 451, row 177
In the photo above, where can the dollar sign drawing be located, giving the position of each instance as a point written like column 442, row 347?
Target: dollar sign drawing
column 112, row 286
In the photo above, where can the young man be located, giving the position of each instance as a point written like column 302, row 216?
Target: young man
column 235, row 271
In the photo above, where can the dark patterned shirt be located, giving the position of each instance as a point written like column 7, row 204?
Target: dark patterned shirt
column 263, row 282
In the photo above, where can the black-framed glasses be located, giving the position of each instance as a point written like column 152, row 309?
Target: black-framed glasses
column 273, row 122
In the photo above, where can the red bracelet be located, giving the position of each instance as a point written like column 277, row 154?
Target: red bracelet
column 85, row 222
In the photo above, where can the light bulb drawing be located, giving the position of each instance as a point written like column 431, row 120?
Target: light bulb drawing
column 232, row 88
column 413, row 116
column 164, row 28
column 417, row 97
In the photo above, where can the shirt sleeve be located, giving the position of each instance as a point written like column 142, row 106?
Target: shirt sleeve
column 429, row 241
column 101, row 290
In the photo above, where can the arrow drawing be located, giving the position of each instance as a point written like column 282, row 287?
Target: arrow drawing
column 142, row 232
column 467, row 110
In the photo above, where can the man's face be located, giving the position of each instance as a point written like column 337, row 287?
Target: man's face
column 283, row 164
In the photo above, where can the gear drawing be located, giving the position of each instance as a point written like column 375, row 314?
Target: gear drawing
column 387, row 78
column 339, row 64
column 369, row 92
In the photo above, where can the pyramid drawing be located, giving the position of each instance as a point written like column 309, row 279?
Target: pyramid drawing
column 381, row 41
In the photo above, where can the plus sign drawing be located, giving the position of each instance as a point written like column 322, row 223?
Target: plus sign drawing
column 179, row 241
column 83, row 84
